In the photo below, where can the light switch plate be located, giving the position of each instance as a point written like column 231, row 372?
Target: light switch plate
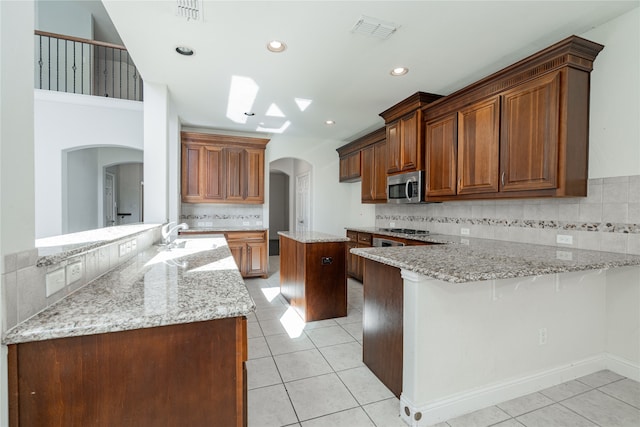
column 464, row 231
column 55, row 281
column 564, row 239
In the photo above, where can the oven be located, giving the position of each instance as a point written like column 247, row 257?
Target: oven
column 381, row 242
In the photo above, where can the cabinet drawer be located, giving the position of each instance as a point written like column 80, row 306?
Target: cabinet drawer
column 365, row 238
column 353, row 235
column 246, row 236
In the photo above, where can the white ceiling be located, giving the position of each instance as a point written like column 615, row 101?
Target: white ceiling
column 445, row 44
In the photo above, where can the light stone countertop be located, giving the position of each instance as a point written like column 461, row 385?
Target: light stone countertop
column 312, row 237
column 196, row 281
column 472, row 259
column 52, row 250
column 428, row 238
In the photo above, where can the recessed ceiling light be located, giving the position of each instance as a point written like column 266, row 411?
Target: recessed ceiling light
column 400, row 71
column 276, row 46
column 183, row 50
column 329, row 122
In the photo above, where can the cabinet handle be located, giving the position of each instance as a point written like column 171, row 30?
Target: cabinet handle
column 502, row 178
column 459, row 183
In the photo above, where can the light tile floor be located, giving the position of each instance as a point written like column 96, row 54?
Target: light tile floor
column 312, row 375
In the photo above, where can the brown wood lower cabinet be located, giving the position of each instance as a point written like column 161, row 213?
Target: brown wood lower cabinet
column 180, row 375
column 313, row 278
column 382, row 323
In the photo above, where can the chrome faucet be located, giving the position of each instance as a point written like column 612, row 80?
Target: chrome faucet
column 166, row 232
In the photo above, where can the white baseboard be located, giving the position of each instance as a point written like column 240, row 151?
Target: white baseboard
column 482, row 397
column 623, row 367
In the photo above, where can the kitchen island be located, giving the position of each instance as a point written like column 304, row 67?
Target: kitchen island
column 313, row 274
column 160, row 340
column 485, row 321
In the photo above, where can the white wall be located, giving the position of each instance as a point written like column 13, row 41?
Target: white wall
column 16, row 149
column 82, row 176
column 65, row 121
column 614, row 137
column 278, row 203
column 63, row 17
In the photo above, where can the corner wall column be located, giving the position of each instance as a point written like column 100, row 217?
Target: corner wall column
column 156, row 153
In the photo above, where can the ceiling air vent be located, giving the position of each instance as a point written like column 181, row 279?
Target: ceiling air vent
column 189, row 9
column 373, row 27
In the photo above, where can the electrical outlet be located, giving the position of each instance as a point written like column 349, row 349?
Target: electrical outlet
column 74, row 272
column 122, row 250
column 258, row 222
column 392, row 224
column 201, row 224
column 55, row 281
column 542, row 336
column 245, row 222
column 208, row 224
column 464, row 242
column 127, row 247
column 464, row 231
column 564, row 255
column 564, row 239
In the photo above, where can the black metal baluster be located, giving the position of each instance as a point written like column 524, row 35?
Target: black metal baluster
column 74, row 68
column 128, row 75
column 105, row 72
column 57, row 64
column 120, row 74
column 40, row 60
column 66, row 65
column 82, row 68
column 49, row 61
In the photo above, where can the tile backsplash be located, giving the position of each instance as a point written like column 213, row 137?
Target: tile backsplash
column 220, row 215
column 608, row 219
column 23, row 282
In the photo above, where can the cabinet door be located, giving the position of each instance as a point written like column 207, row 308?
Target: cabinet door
column 409, row 149
column 393, row 147
column 238, row 252
column 191, row 179
column 478, row 147
column 256, row 259
column 255, row 175
column 235, row 171
column 441, row 155
column 379, row 189
column 352, row 260
column 368, row 174
column 213, row 173
column 350, row 167
column 529, row 135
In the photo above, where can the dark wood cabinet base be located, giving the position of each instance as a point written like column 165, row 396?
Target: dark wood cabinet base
column 180, row 375
column 382, row 323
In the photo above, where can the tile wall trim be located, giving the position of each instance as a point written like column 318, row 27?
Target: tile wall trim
column 606, row 227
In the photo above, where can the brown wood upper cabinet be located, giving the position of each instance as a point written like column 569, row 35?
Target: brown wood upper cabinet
column 222, row 169
column 367, row 155
column 521, row 132
column 404, row 125
column 350, row 167
column 374, row 177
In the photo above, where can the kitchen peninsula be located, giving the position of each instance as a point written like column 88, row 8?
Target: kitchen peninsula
column 532, row 316
column 131, row 347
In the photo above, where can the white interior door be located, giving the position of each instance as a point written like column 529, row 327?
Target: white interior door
column 303, row 203
column 109, row 200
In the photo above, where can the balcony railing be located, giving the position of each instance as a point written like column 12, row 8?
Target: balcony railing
column 75, row 65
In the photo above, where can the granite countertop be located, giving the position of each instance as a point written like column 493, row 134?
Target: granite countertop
column 312, row 237
column 427, row 238
column 472, row 259
column 196, row 281
column 197, row 230
column 53, row 249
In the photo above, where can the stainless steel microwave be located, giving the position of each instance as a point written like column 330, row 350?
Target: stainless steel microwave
column 405, row 187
